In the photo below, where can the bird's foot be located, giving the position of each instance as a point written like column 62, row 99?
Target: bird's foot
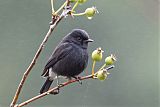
column 57, row 90
column 60, row 85
column 78, row 79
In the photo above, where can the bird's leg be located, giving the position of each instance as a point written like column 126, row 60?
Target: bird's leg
column 78, row 79
column 58, row 85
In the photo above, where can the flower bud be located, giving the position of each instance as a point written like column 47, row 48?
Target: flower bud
column 110, row 59
column 97, row 54
column 82, row 1
column 90, row 12
column 102, row 74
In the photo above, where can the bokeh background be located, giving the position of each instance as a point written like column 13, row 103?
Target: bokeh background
column 127, row 28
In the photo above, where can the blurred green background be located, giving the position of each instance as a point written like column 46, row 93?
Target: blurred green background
column 127, row 28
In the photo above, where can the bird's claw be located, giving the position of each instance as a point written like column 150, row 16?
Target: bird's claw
column 78, row 79
column 57, row 90
column 60, row 85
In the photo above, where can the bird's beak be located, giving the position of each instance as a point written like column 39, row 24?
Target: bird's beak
column 89, row 40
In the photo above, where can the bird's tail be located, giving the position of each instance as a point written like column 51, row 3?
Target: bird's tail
column 46, row 85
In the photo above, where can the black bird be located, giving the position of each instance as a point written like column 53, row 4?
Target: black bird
column 68, row 59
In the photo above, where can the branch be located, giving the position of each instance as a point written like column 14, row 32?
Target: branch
column 55, row 21
column 52, row 7
column 55, row 88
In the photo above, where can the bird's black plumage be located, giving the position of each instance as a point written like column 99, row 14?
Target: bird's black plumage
column 69, row 58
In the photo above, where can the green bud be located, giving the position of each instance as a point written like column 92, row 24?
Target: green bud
column 97, row 54
column 82, row 1
column 102, row 74
column 90, row 12
column 110, row 59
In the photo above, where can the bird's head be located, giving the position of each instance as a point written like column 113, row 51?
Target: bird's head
column 79, row 37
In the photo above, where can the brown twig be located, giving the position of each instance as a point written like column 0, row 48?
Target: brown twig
column 51, row 90
column 55, row 21
column 55, row 88
column 31, row 66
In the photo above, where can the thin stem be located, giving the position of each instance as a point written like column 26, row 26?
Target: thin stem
column 64, row 4
column 75, row 5
column 110, row 67
column 52, row 7
column 78, row 14
column 93, row 66
column 102, row 67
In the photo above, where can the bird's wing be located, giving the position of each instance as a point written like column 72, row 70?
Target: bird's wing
column 60, row 52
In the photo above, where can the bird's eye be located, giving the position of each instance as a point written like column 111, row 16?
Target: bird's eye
column 79, row 38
